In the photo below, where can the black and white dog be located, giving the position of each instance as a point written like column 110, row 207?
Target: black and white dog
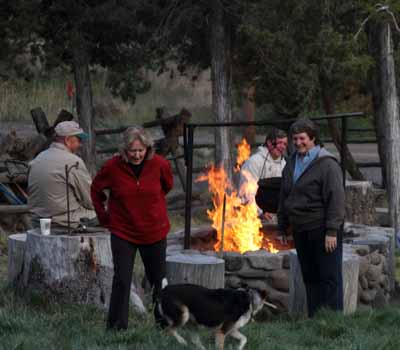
column 223, row 310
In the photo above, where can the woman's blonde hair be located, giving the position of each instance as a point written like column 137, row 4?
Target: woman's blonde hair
column 134, row 133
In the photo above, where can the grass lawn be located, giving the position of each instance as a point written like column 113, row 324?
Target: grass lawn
column 35, row 324
column 42, row 326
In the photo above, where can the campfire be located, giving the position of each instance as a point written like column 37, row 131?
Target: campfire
column 238, row 227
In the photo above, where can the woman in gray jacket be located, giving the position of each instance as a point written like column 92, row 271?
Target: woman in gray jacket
column 312, row 207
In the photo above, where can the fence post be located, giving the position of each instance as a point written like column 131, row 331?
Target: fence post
column 342, row 148
column 188, row 150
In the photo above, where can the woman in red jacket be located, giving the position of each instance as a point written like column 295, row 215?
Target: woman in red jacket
column 136, row 215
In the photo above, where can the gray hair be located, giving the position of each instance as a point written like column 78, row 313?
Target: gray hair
column 307, row 126
column 134, row 133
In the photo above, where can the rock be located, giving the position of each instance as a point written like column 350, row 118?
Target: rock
column 367, row 295
column 374, row 284
column 202, row 231
column 375, row 258
column 256, row 284
column 385, row 283
column 286, row 261
column 374, row 273
column 262, row 259
column 363, row 282
column 279, row 299
column 279, row 279
column 385, row 268
column 233, row 281
column 362, row 250
column 364, row 265
column 380, row 299
column 249, row 272
column 233, row 261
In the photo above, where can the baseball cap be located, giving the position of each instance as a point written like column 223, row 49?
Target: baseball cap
column 70, row 128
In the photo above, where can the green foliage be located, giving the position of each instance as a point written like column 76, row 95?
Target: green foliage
column 296, row 49
column 114, row 35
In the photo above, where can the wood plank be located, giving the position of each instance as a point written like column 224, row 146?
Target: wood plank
column 14, row 209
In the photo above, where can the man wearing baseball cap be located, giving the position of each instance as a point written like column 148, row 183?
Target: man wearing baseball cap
column 47, row 180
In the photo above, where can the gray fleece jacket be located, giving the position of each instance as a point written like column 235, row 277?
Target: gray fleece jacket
column 316, row 199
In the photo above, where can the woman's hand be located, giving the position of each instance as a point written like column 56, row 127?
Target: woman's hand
column 330, row 243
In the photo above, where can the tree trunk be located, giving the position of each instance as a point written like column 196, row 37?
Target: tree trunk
column 386, row 106
column 221, row 76
column 350, row 164
column 203, row 270
column 250, row 110
column 71, row 269
column 16, row 251
column 388, row 115
column 84, row 102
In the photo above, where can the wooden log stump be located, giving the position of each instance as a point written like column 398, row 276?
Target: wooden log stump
column 70, row 269
column 16, row 251
column 360, row 202
column 297, row 298
column 195, row 268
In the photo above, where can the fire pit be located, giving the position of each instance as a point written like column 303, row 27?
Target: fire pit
column 260, row 269
column 367, row 255
column 255, row 258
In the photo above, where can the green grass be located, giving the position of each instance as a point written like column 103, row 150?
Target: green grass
column 33, row 323
column 38, row 325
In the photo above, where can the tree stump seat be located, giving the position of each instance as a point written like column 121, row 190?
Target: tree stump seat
column 68, row 269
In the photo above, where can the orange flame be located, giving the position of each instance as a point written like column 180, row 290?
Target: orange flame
column 243, row 154
column 242, row 225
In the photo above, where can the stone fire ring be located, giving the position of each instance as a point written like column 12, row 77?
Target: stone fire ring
column 368, row 269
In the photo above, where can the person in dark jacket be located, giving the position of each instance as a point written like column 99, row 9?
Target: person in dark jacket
column 312, row 202
column 137, row 181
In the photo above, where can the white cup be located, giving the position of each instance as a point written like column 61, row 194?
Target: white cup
column 45, row 226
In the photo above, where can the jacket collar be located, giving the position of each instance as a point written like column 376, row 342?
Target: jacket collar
column 60, row 146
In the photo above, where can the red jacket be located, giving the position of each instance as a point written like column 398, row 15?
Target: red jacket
column 137, row 209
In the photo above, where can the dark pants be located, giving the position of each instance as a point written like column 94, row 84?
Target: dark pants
column 322, row 271
column 123, row 252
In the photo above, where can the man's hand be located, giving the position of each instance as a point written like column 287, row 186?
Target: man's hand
column 268, row 216
column 330, row 243
column 282, row 238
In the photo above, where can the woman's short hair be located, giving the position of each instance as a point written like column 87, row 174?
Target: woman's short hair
column 274, row 134
column 307, row 126
column 134, row 133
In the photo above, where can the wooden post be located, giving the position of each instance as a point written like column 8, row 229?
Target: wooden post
column 390, row 118
column 221, row 77
column 84, row 100
column 40, row 120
